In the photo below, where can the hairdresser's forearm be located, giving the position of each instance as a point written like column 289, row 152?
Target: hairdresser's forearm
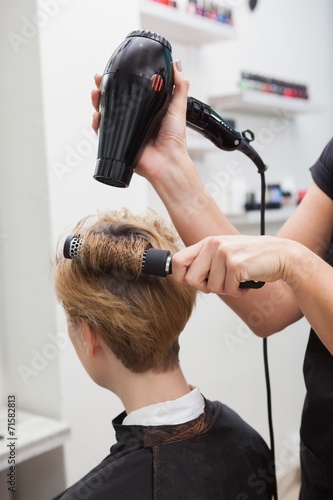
column 191, row 208
column 311, row 280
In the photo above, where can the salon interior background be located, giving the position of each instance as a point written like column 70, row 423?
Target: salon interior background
column 47, row 156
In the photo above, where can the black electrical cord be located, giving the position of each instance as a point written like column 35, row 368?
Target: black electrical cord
column 265, row 351
column 262, row 203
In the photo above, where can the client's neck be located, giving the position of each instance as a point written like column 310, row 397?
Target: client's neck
column 137, row 390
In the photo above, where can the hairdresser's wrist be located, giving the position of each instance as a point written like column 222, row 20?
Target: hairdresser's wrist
column 298, row 264
column 191, row 208
column 177, row 181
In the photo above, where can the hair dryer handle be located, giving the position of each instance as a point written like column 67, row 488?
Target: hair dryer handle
column 201, row 117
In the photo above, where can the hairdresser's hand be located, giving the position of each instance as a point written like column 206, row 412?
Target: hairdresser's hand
column 168, row 150
column 95, row 99
column 219, row 263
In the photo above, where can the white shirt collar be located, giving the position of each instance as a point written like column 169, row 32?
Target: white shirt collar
column 174, row 412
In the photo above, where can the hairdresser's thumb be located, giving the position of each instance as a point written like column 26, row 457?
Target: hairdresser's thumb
column 182, row 85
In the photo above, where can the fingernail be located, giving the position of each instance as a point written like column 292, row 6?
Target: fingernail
column 179, row 65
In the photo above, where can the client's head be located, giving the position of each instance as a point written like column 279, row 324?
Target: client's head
column 139, row 317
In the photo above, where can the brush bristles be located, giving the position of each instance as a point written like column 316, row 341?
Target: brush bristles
column 101, row 252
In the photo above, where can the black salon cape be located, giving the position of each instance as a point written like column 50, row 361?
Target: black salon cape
column 217, row 456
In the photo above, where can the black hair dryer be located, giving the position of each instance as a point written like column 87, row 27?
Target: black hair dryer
column 136, row 90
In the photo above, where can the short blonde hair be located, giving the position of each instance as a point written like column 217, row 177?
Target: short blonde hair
column 139, row 317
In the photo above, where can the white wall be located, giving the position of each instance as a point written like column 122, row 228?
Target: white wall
column 24, row 213
column 27, row 312
column 48, row 155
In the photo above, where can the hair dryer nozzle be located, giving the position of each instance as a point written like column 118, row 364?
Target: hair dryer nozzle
column 113, row 172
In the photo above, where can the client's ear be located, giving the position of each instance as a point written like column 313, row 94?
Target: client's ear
column 90, row 339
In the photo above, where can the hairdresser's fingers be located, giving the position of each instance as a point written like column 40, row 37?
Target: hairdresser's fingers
column 98, row 80
column 182, row 260
column 193, row 265
column 95, row 98
column 207, row 272
column 228, row 266
column 205, row 266
column 173, row 127
column 95, row 121
column 96, row 93
column 182, row 85
column 224, row 279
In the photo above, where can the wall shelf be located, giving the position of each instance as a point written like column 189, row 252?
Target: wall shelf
column 272, row 216
column 262, row 103
column 180, row 26
column 34, row 434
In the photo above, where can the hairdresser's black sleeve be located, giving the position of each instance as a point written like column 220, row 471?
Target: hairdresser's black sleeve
column 322, row 170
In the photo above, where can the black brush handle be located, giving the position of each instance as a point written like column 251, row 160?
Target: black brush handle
column 157, row 262
column 251, row 284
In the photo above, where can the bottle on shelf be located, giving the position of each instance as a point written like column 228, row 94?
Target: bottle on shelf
column 192, row 6
column 252, row 81
column 170, row 3
column 210, row 10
